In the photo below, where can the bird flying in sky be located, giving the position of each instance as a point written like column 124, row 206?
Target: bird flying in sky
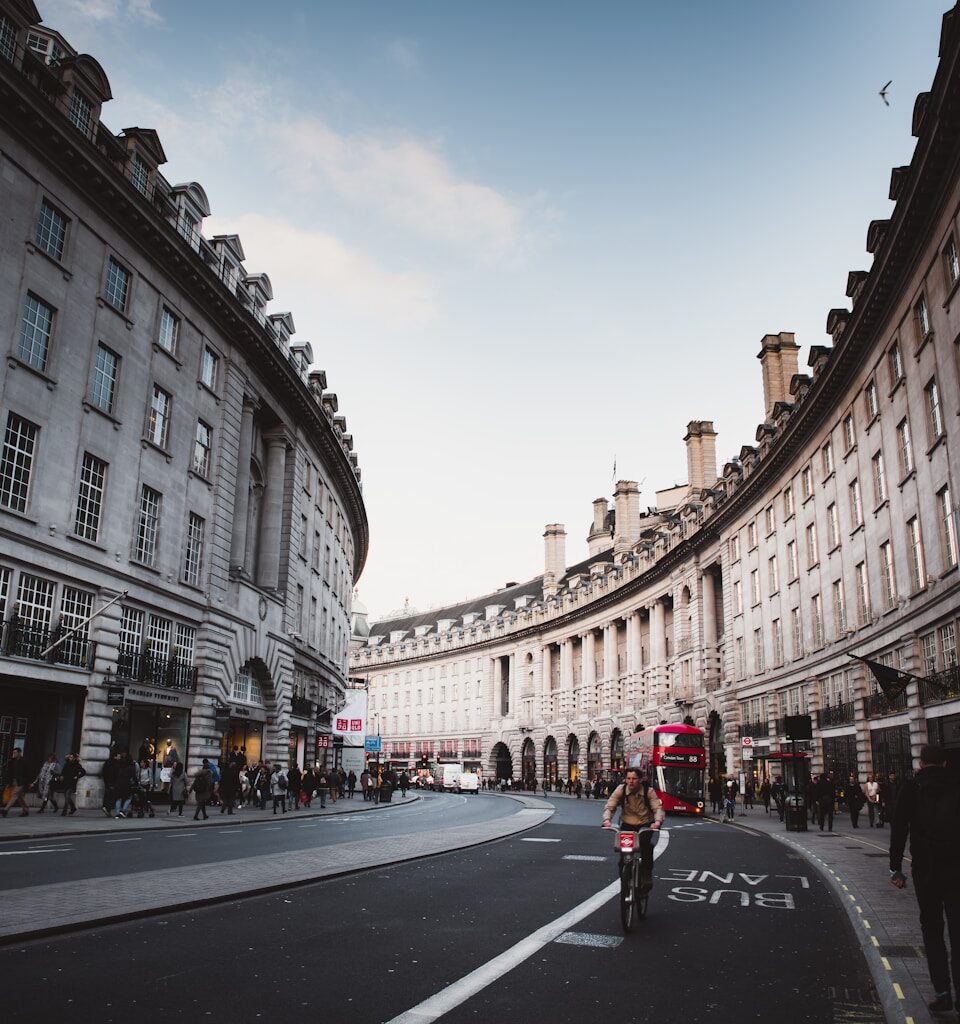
column 883, row 92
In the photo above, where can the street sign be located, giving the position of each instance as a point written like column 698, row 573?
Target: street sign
column 747, row 754
column 371, row 745
column 746, row 741
column 323, row 740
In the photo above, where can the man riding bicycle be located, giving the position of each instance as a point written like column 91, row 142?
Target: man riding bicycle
column 640, row 807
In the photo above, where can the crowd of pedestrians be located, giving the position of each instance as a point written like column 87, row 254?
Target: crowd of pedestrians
column 54, row 779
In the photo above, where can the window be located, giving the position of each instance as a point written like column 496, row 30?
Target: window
column 816, row 610
column 299, row 611
column 951, row 262
column 918, row 577
column 193, row 554
column 871, row 401
column 737, row 597
column 777, row 642
column 826, row 454
column 35, row 601
column 856, row 504
column 117, row 289
column 839, row 609
column 75, row 606
column 169, row 330
column 796, row 630
column 904, row 448
column 139, row 174
column 8, row 39
column 928, row 652
column 16, row 462
column 303, row 537
column 246, row 688
column 896, row 364
column 948, row 645
column 209, row 367
column 769, row 520
column 131, row 630
column 879, row 479
column 923, row 317
column 793, row 564
column 186, row 643
column 740, row 663
column 93, row 477
column 806, row 483
column 51, row 231
column 751, row 535
column 833, row 526
column 813, row 549
column 315, row 553
column 202, row 442
column 35, row 329
column 863, row 593
column 788, row 503
column 758, row 664
column 773, row 575
column 158, row 424
column 148, row 523
column 755, row 587
column 948, row 528
column 849, row 438
column 80, row 112
column 103, row 379
column 888, row 580
column 735, row 548
column 934, row 412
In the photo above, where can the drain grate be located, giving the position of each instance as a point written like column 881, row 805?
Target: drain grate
column 876, row 855
column 855, row 1006
column 906, row 952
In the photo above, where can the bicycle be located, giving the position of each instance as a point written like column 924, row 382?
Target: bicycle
column 633, row 895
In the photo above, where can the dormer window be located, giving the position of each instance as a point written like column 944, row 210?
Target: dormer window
column 48, row 50
column 8, row 39
column 80, row 112
column 139, row 174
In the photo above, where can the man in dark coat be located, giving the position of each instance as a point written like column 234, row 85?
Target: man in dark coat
column 229, row 787
column 826, row 796
column 294, row 780
column 15, row 776
column 928, row 811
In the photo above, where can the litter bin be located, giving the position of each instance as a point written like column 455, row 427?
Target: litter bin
column 386, row 793
column 795, row 813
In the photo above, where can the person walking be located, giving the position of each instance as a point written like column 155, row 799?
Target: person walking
column 765, row 789
column 294, row 781
column 108, row 772
column 826, row 797
column 43, row 783
column 308, row 786
column 730, row 790
column 202, row 789
column 927, row 811
column 352, row 784
column 14, row 776
column 178, row 789
column 123, row 783
column 871, row 793
column 73, row 772
column 278, row 789
column 855, row 799
column 263, row 785
column 230, row 786
column 779, row 793
column 889, row 791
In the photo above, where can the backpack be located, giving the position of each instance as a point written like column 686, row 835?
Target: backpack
column 282, row 782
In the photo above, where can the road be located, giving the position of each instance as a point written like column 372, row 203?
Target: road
column 739, row 928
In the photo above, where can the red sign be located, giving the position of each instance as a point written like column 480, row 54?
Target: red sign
column 323, row 741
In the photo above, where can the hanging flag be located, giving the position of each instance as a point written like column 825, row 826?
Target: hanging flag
column 614, row 469
column 891, row 681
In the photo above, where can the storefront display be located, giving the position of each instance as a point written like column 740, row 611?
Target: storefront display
column 154, row 727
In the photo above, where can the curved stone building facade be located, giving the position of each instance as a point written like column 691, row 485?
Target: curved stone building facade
column 181, row 517
column 745, row 595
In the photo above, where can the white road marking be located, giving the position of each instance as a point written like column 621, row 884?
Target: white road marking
column 470, row 984
column 539, row 840
column 131, row 839
column 229, row 831
column 180, row 835
column 23, row 853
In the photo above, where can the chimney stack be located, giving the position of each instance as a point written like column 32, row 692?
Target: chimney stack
column 598, row 539
column 626, row 503
column 555, row 557
column 701, row 441
column 778, row 357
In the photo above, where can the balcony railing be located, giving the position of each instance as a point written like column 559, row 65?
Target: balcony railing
column 21, row 640
column 165, row 673
column 940, row 686
column 302, row 706
column 876, row 705
column 839, row 714
column 757, row 730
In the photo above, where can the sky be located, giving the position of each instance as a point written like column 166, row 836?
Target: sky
column 528, row 241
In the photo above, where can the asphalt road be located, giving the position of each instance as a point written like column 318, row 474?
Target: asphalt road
column 126, row 850
column 739, row 928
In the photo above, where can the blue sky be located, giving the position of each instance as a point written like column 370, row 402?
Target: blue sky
column 526, row 238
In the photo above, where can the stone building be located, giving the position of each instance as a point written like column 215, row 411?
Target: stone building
column 740, row 597
column 175, row 479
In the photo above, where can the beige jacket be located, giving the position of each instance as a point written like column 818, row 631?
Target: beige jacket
column 637, row 811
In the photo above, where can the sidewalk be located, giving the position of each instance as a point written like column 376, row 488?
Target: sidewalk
column 886, row 920
column 57, row 907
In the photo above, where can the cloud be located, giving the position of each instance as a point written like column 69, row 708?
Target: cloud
column 113, row 10
column 318, row 269
column 403, row 53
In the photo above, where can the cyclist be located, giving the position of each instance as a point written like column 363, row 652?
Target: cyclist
column 640, row 807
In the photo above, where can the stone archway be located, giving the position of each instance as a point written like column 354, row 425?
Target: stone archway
column 717, row 758
column 528, row 764
column 550, row 768
column 501, row 762
column 573, row 759
column 594, row 757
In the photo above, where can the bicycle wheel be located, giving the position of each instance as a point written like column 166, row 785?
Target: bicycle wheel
column 628, row 899
column 642, row 905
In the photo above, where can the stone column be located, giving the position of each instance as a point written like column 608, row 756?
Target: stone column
column 513, row 688
column 588, row 655
column 610, row 670
column 268, row 565
column 238, row 540
column 708, row 619
column 658, row 648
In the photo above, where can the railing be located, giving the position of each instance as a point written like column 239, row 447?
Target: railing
column 940, row 686
column 302, row 706
column 839, row 714
column 21, row 640
column 757, row 730
column 165, row 673
column 877, row 705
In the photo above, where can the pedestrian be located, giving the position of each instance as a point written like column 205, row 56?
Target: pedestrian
column 43, row 783
column 365, row 783
column 308, row 786
column 215, row 775
column 927, row 810
column 14, row 777
column 889, row 791
column 108, row 772
column 351, row 783
column 229, row 786
column 855, row 799
column 73, row 772
column 178, row 789
column 713, row 793
column 263, row 785
column 749, row 791
column 826, row 797
column 871, row 792
column 143, row 787
column 588, row 789
column 294, row 781
column 278, row 789
column 202, row 789
column 765, row 789
column 730, row 790
column 579, row 789
column 403, row 782
column 123, row 783
column 323, row 786
column 779, row 793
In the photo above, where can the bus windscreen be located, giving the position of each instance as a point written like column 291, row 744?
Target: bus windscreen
column 690, row 740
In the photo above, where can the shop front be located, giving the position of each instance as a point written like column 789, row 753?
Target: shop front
column 151, row 725
column 945, row 732
column 242, row 731
column 297, row 746
column 39, row 718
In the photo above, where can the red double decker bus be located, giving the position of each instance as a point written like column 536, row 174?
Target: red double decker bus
column 674, row 758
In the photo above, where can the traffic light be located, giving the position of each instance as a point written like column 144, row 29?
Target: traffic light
column 423, row 761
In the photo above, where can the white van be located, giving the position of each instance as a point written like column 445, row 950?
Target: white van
column 469, row 783
column 447, row 777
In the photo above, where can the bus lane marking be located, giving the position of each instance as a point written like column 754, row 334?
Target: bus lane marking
column 774, row 900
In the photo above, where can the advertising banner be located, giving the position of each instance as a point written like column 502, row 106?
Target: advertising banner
column 350, row 722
